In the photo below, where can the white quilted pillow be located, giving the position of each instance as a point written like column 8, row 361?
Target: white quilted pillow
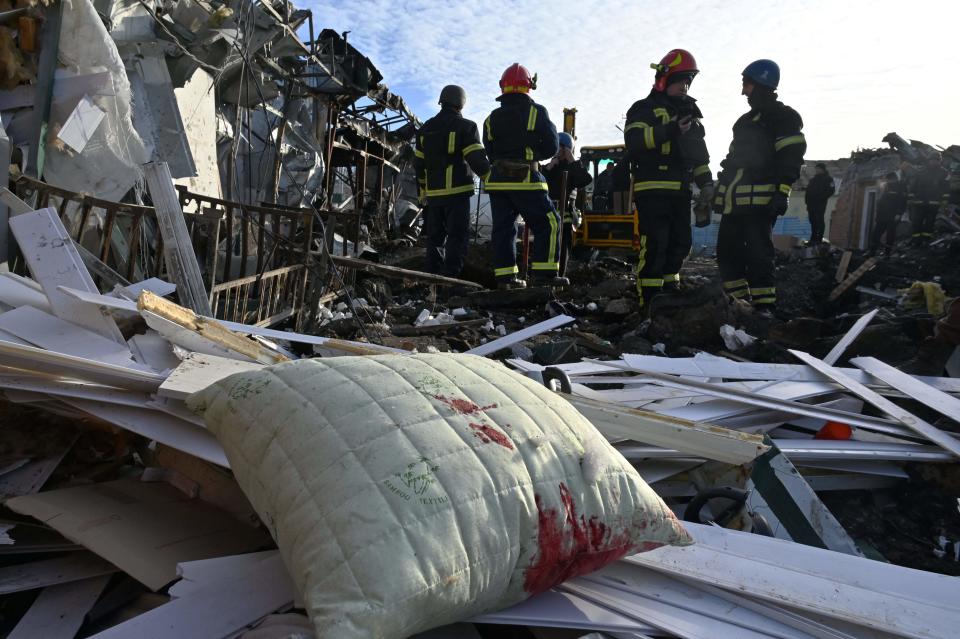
column 408, row 492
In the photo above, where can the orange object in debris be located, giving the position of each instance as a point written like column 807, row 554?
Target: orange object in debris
column 834, row 430
column 27, row 31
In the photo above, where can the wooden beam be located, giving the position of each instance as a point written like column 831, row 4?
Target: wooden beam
column 177, row 248
column 400, row 273
column 207, row 328
column 852, row 279
column 843, row 266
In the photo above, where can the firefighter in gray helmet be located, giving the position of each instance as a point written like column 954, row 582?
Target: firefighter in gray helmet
column 448, row 154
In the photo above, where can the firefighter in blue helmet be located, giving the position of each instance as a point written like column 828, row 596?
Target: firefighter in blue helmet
column 754, row 186
column 517, row 135
column 564, row 170
column 665, row 144
column 448, row 149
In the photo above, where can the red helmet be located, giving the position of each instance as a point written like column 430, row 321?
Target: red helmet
column 675, row 62
column 516, row 79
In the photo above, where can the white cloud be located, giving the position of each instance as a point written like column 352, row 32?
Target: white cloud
column 854, row 70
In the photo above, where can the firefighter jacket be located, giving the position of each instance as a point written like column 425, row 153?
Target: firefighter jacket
column 448, row 148
column 577, row 178
column 929, row 186
column 662, row 159
column 893, row 202
column 517, row 135
column 764, row 158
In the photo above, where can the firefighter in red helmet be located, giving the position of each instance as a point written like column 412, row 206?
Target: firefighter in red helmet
column 518, row 135
column 667, row 152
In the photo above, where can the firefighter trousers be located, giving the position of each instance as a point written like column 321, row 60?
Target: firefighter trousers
column 923, row 216
column 746, row 257
column 540, row 216
column 665, row 241
column 446, row 227
column 884, row 229
column 816, row 213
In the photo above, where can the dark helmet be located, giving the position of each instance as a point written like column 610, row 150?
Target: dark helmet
column 565, row 140
column 763, row 72
column 454, row 96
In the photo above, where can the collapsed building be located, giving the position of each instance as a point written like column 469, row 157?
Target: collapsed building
column 318, row 439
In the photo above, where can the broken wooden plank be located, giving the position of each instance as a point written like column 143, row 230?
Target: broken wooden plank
column 49, row 572
column 143, row 528
column 909, row 420
column 59, row 610
column 522, row 334
column 209, row 329
column 852, row 279
column 177, row 248
column 54, row 334
column 54, row 261
column 692, row 438
column 199, row 370
column 219, row 610
column 843, row 266
column 849, row 337
column 345, row 346
column 926, row 395
column 401, row 273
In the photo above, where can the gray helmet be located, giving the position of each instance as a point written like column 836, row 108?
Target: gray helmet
column 454, row 96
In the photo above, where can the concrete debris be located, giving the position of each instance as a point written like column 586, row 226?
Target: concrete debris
column 201, row 189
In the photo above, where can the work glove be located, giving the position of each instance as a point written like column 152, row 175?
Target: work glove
column 778, row 205
column 703, row 206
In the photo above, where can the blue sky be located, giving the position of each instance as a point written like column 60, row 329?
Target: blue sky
column 855, row 70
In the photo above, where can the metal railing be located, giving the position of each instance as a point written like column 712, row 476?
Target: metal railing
column 254, row 259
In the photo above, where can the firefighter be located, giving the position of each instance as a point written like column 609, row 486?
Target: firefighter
column 818, row 194
column 577, row 177
column 928, row 194
column 448, row 149
column 890, row 207
column 754, row 187
column 517, row 135
column 665, row 145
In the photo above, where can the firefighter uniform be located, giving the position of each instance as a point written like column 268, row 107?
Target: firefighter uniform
column 929, row 192
column 577, row 178
column 664, row 163
column 763, row 162
column 448, row 148
column 517, row 135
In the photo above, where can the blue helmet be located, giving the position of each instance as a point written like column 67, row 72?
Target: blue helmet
column 763, row 72
column 565, row 140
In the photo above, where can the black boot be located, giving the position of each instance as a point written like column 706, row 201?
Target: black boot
column 510, row 284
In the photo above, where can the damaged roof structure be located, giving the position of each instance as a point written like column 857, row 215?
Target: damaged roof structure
column 233, row 406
